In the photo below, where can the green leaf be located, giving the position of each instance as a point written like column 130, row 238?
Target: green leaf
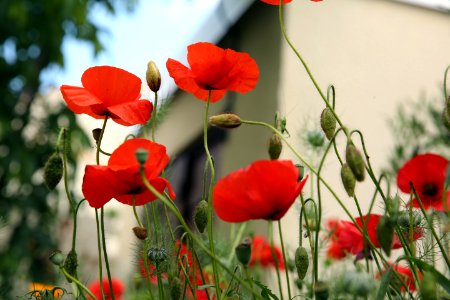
column 266, row 293
column 440, row 278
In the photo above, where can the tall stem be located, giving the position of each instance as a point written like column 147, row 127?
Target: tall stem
column 275, row 259
column 285, row 260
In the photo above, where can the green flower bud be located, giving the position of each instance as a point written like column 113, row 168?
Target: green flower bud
column 57, row 258
column 157, row 255
column 405, row 220
column 301, row 262
column 225, row 121
column 321, row 290
column 71, row 264
column 301, row 171
column 244, row 251
column 348, row 180
column 275, row 146
column 175, row 288
column 428, row 287
column 153, row 76
column 141, row 155
column 328, row 123
column 385, row 234
column 201, row 215
column 355, row 161
column 140, row 232
column 53, row 171
column 446, row 119
column 96, row 134
column 392, row 207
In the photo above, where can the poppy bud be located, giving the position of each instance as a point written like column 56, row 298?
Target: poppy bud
column 348, row 180
column 446, row 119
column 428, row 287
column 153, row 76
column 301, row 262
column 301, row 172
column 157, row 255
column 141, row 155
column 275, row 146
column 244, row 251
column 225, row 120
column 385, row 234
column 57, row 258
column 355, row 161
column 140, row 232
column 201, row 215
column 405, row 220
column 53, row 171
column 71, row 264
column 96, row 134
column 328, row 123
column 321, row 290
column 175, row 288
column 392, row 207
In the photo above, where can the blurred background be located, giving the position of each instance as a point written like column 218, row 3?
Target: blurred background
column 385, row 58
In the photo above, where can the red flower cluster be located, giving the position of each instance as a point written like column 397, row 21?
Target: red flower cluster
column 262, row 254
column 117, row 286
column 427, row 174
column 214, row 69
column 264, row 190
column 109, row 92
column 347, row 239
column 121, row 178
column 277, row 2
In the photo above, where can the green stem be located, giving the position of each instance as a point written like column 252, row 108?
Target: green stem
column 63, row 138
column 74, row 233
column 445, row 82
column 154, row 114
column 78, row 283
column 105, row 253
column 275, row 259
column 210, row 196
column 236, row 241
column 135, row 212
column 285, row 260
column 99, row 142
column 99, row 251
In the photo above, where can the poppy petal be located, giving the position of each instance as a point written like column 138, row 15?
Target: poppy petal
column 277, row 2
column 132, row 113
column 80, row 100
column 244, row 73
column 146, row 196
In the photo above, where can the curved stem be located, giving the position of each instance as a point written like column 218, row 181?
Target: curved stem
column 74, row 234
column 284, row 259
column 275, row 259
column 99, row 142
column 78, row 283
column 447, row 70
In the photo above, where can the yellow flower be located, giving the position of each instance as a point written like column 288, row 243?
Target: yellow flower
column 39, row 289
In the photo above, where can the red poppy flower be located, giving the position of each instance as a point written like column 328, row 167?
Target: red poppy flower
column 214, row 69
column 262, row 254
column 427, row 173
column 406, row 276
column 264, row 190
column 347, row 239
column 121, row 178
column 108, row 91
column 277, row 2
column 117, row 286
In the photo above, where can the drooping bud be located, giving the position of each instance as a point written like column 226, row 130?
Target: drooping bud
column 321, row 290
column 57, row 258
column 226, row 121
column 141, row 155
column 348, row 179
column 355, row 161
column 140, row 232
column 157, row 254
column 175, row 288
column 275, row 146
column 328, row 123
column 385, row 234
column 153, row 76
column 428, row 287
column 244, row 251
column 301, row 262
column 71, row 264
column 53, row 171
column 201, row 215
column 96, row 134
column 446, row 119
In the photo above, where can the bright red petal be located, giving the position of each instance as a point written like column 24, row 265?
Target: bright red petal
column 244, row 73
column 112, row 85
column 145, row 196
column 276, row 2
column 80, row 100
column 132, row 113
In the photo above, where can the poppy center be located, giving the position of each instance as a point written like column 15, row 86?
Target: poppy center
column 429, row 189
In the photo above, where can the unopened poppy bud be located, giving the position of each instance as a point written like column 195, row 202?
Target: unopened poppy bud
column 275, row 146
column 53, row 171
column 321, row 290
column 301, row 172
column 201, row 215
column 175, row 288
column 244, row 251
column 301, row 262
column 348, row 180
column 140, row 232
column 71, row 264
column 57, row 258
column 392, row 207
column 385, row 234
column 157, row 255
column 355, row 161
column 446, row 119
column 96, row 134
column 428, row 287
column 141, row 155
column 153, row 76
column 328, row 123
column 225, row 120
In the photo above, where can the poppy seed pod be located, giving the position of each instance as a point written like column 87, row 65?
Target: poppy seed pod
column 385, row 234
column 428, row 287
column 140, row 232
column 328, row 123
column 96, row 134
column 244, row 251
column 201, row 215
column 57, row 258
column 301, row 262
column 153, row 76
column 71, row 264
column 355, row 161
column 141, row 155
column 53, row 171
column 225, row 120
column 157, row 255
column 275, row 146
column 348, row 180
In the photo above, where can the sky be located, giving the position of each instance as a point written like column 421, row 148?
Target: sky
column 155, row 30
